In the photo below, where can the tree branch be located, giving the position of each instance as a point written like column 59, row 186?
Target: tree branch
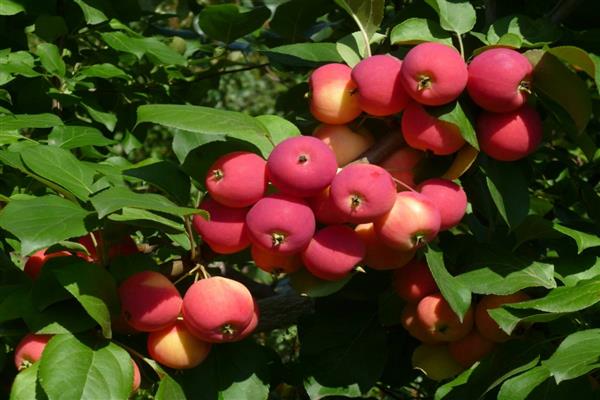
column 384, row 147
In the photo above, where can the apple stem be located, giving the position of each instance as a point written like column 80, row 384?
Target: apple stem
column 188, row 229
column 218, row 174
column 460, row 45
column 524, row 86
column 405, row 185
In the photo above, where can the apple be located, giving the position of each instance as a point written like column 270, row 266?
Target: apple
column 378, row 255
column 124, row 246
column 470, row 349
column 333, row 252
column 423, row 131
column 401, row 164
column 380, row 92
column 275, row 262
column 30, row 349
column 36, row 261
column 363, row 192
column 413, row 221
column 333, row 97
column 281, row 223
column 325, row 211
column 237, row 179
column 301, row 166
column 450, row 199
column 433, row 73
column 175, row 347
column 414, row 326
column 484, row 322
column 149, row 301
column 509, row 136
column 137, row 378
column 218, row 309
column 440, row 321
column 500, row 79
column 435, row 361
column 347, row 144
column 414, row 281
column 225, row 232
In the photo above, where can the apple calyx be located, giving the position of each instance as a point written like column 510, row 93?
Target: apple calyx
column 423, row 83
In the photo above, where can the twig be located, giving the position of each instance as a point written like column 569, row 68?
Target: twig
column 383, row 148
column 190, row 233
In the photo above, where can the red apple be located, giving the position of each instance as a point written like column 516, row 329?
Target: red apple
column 433, row 73
column 484, row 322
column 237, row 179
column 440, row 321
column 324, row 209
column 470, row 349
column 149, row 301
column 378, row 255
column 333, row 97
column 36, row 261
column 450, row 199
column 401, row 165
column 274, row 262
column 225, row 232
column 500, row 79
column 29, row 350
column 414, row 281
column 413, row 221
column 175, row 347
column 281, row 223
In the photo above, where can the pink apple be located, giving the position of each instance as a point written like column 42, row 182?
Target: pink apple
column 450, row 199
column 225, row 232
column 333, row 97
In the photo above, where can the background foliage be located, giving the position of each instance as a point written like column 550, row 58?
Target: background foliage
column 111, row 112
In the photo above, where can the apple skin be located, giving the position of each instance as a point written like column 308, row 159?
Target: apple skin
column 401, row 165
column 176, row 347
column 414, row 281
column 450, row 199
column 281, row 223
column 149, row 301
column 380, row 92
column 333, row 252
column 249, row 329
column 301, row 166
column 470, row 349
column 225, row 232
column 413, row 325
column 274, row 262
column 435, row 361
column 441, row 323
column 29, row 350
column 218, row 321
column 324, row 209
column 413, row 221
column 378, row 256
column 137, row 378
column 423, row 131
column 333, row 97
column 499, row 79
column 125, row 246
column 237, row 179
column 433, row 73
column 509, row 136
column 345, row 143
column 486, row 326
column 36, row 261
column 363, row 192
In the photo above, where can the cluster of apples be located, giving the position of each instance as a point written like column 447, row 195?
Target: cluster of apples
column 448, row 344
column 432, row 74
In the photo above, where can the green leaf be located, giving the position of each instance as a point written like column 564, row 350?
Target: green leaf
column 304, row 54
column 456, row 16
column 339, row 351
column 293, row 19
column 11, row 7
column 169, row 389
column 63, row 317
column 43, row 221
column 352, row 47
column 309, row 285
column 104, row 71
column 82, row 368
column 509, row 189
column 455, row 293
column 92, row 14
column 553, row 79
column 367, row 14
column 147, row 219
column 583, row 240
column 317, row 391
column 50, row 27
column 51, row 59
column 94, row 288
column 278, row 128
column 578, row 354
column 117, row 198
column 61, row 167
column 157, row 51
column 108, row 119
column 231, row 371
column 21, row 121
column 226, row 23
column 454, row 114
column 166, row 176
column 25, row 386
column 532, row 33
column 520, row 386
column 419, row 30
column 73, row 136
column 208, row 121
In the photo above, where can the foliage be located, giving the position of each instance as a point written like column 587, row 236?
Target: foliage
column 111, row 113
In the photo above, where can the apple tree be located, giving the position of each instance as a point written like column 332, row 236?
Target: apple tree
column 299, row 199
